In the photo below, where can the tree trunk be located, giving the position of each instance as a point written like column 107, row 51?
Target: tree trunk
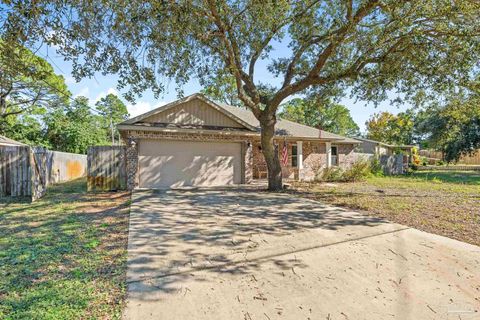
column 270, row 152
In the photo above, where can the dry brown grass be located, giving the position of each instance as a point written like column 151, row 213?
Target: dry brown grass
column 446, row 203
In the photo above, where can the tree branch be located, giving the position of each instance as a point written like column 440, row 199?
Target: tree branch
column 313, row 76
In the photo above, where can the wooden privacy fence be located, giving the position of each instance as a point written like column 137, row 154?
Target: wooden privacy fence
column 106, row 168
column 433, row 156
column 22, row 172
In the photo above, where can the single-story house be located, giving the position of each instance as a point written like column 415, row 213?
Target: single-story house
column 199, row 142
column 377, row 148
column 4, row 141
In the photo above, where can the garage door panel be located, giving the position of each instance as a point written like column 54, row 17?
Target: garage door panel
column 182, row 163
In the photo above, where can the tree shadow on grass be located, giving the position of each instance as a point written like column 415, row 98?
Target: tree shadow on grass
column 59, row 254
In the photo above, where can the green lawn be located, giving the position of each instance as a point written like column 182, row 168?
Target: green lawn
column 64, row 256
column 446, row 203
column 459, row 177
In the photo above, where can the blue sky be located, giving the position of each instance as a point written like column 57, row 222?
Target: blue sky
column 100, row 85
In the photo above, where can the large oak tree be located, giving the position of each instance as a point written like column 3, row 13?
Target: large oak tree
column 370, row 46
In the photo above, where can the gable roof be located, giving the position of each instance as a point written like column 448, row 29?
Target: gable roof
column 183, row 100
column 246, row 118
column 4, row 141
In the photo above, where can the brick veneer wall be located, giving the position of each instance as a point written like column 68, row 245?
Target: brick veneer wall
column 132, row 163
column 131, row 139
column 346, row 154
column 314, row 159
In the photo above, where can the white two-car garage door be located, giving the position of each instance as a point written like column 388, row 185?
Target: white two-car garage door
column 169, row 163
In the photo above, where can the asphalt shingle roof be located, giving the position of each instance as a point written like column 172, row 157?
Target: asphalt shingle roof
column 242, row 115
column 285, row 127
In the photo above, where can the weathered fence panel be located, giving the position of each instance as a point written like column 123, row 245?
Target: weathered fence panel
column 393, row 164
column 65, row 166
column 22, row 172
column 106, row 168
column 38, row 162
column 434, row 156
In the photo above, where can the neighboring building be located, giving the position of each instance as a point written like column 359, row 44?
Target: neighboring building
column 4, row 141
column 378, row 148
column 198, row 142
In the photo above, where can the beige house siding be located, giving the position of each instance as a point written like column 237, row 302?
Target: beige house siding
column 193, row 112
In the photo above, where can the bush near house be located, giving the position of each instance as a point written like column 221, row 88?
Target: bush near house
column 358, row 171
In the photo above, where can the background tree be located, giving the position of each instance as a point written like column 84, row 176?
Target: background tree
column 27, row 129
column 113, row 111
column 389, row 128
column 76, row 127
column 327, row 116
column 370, row 46
column 453, row 127
column 28, row 84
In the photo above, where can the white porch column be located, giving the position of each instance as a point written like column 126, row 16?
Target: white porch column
column 328, row 146
column 299, row 155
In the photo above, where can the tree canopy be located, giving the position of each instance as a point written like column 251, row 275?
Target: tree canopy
column 370, row 46
column 113, row 111
column 453, row 127
column 75, row 127
column 28, row 83
column 389, row 128
column 327, row 116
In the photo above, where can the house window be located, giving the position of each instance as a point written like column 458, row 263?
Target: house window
column 334, row 156
column 294, row 155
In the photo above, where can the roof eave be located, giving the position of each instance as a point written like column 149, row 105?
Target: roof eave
column 132, row 127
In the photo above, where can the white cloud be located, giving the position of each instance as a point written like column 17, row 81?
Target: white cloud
column 69, row 79
column 105, row 93
column 84, row 92
column 142, row 107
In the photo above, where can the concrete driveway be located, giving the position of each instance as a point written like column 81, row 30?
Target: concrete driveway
column 248, row 255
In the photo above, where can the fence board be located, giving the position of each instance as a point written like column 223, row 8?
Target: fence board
column 106, row 168
column 435, row 156
column 22, row 172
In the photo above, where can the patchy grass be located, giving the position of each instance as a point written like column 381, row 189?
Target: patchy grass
column 64, row 256
column 445, row 203
column 459, row 177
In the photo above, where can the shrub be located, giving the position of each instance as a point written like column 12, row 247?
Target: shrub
column 424, row 161
column 359, row 170
column 332, row 174
column 440, row 163
column 415, row 159
column 376, row 167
